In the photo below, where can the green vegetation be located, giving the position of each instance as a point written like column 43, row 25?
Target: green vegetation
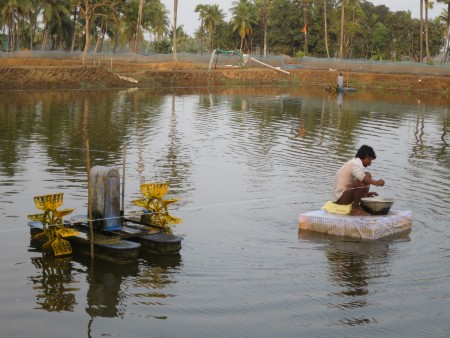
column 355, row 29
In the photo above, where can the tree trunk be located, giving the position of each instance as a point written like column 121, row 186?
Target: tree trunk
column 44, row 38
column 305, row 15
column 88, row 37
column 341, row 46
column 426, row 32
column 87, row 16
column 97, row 43
column 448, row 32
column 325, row 27
column 175, row 10
column 138, row 26
column 74, row 29
column 421, row 31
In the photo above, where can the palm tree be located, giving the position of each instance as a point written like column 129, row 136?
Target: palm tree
column 160, row 24
column 11, row 11
column 263, row 7
column 53, row 15
column 33, row 15
column 213, row 16
column 201, row 9
column 447, row 18
column 243, row 19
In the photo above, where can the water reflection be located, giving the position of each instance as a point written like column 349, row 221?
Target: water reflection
column 105, row 297
column 58, row 282
column 353, row 265
column 54, row 284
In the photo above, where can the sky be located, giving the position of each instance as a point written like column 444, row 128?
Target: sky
column 189, row 19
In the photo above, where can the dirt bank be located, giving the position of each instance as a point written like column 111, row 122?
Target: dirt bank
column 31, row 73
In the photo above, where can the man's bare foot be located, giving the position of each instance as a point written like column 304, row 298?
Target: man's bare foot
column 359, row 212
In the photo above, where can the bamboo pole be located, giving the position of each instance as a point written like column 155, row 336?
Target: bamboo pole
column 275, row 68
column 123, row 180
column 91, row 227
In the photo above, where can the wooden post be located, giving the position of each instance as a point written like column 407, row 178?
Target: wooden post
column 122, row 211
column 91, row 227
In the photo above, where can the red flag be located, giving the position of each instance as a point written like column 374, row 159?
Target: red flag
column 304, row 28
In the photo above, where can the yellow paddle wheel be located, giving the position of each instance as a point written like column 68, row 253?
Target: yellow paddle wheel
column 156, row 206
column 54, row 229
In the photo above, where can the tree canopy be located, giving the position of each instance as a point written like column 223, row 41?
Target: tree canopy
column 354, row 29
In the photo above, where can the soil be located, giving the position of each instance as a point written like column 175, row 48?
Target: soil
column 32, row 73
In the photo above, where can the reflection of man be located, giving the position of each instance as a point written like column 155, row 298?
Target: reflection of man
column 352, row 183
column 339, row 99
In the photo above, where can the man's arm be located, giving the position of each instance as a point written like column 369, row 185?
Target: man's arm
column 368, row 180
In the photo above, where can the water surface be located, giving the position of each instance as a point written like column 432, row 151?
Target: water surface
column 244, row 163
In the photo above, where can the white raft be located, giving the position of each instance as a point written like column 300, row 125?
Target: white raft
column 364, row 227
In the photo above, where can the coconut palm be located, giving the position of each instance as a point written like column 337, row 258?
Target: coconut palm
column 243, row 18
column 53, row 17
column 11, row 11
column 201, row 9
column 447, row 19
column 33, row 15
column 160, row 24
column 262, row 7
column 213, row 16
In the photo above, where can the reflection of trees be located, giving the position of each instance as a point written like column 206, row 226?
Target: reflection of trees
column 61, row 120
column 442, row 155
column 424, row 148
column 54, row 284
column 154, row 277
column 175, row 167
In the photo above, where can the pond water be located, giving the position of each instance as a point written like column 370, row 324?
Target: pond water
column 244, row 164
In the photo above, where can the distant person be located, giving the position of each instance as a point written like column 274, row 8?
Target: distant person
column 352, row 183
column 340, row 81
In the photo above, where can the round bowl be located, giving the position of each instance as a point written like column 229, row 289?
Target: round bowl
column 377, row 205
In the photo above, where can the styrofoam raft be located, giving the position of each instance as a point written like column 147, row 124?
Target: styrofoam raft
column 365, row 227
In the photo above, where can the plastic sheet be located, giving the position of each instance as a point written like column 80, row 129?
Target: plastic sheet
column 365, row 227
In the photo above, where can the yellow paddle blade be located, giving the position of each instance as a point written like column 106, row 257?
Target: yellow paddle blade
column 37, row 217
column 172, row 219
column 39, row 236
column 61, row 213
column 49, row 202
column 143, row 202
column 165, row 203
column 152, row 190
column 61, row 247
column 47, row 245
column 65, row 232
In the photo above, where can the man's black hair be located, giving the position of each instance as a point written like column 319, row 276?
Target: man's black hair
column 365, row 151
